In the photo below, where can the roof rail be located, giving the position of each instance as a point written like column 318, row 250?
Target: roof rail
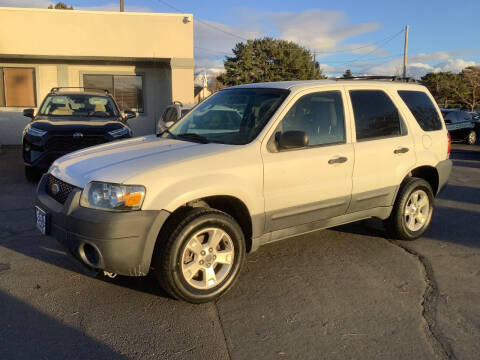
column 378, row 77
column 58, row 89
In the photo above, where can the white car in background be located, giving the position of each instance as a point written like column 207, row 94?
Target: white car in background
column 172, row 114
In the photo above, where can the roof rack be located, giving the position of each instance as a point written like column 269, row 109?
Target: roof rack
column 58, row 89
column 379, row 77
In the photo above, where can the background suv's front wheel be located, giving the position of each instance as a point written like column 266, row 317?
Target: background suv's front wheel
column 199, row 255
column 412, row 211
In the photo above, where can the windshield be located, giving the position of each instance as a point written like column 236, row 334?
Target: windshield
column 232, row 116
column 79, row 105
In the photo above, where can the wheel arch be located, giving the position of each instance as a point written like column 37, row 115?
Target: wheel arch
column 229, row 204
column 427, row 173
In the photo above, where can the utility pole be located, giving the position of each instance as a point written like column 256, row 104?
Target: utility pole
column 122, row 5
column 405, row 49
column 314, row 63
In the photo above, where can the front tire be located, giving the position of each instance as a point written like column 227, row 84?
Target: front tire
column 199, row 255
column 412, row 211
column 471, row 138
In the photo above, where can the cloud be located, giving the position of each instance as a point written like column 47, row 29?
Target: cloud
column 416, row 68
column 453, row 65
column 315, row 29
column 42, row 4
column 318, row 29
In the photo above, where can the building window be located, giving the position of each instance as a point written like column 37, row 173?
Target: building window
column 17, row 87
column 126, row 89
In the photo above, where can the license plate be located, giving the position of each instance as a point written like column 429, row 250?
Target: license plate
column 42, row 218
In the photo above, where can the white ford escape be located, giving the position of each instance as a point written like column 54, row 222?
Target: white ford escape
column 250, row 165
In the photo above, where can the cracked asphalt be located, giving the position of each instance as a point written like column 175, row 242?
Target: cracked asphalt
column 348, row 292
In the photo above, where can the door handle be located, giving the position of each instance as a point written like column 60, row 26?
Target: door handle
column 337, row 160
column 401, row 150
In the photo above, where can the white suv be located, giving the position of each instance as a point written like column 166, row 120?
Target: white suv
column 250, row 165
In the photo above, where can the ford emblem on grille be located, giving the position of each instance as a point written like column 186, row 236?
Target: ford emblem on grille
column 77, row 135
column 55, row 188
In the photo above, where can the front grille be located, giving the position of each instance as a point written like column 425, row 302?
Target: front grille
column 68, row 143
column 64, row 189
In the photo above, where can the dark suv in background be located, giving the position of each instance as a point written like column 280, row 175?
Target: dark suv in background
column 461, row 125
column 71, row 119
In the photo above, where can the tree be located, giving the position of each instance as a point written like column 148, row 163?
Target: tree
column 445, row 87
column 470, row 97
column 60, row 6
column 268, row 59
column 214, row 84
column 347, row 74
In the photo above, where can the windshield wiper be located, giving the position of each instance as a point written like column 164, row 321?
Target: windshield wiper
column 194, row 137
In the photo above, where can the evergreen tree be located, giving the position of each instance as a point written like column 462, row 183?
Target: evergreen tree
column 267, row 59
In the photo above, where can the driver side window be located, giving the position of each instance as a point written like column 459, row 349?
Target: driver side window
column 320, row 115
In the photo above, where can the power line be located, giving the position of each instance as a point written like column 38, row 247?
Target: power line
column 377, row 48
column 204, row 22
column 245, row 39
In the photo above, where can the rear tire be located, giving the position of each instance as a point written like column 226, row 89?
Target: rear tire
column 199, row 255
column 412, row 211
column 32, row 174
column 471, row 138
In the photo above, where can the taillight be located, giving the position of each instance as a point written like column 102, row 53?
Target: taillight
column 449, row 147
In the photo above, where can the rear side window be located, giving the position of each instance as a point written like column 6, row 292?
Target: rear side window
column 375, row 115
column 422, row 109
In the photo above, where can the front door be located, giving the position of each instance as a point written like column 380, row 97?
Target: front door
column 315, row 182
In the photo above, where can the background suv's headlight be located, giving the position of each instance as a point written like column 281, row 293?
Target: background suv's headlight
column 120, row 132
column 112, row 197
column 35, row 132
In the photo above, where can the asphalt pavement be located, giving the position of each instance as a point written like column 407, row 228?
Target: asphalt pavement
column 343, row 293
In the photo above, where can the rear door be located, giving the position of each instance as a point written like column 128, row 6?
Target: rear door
column 384, row 149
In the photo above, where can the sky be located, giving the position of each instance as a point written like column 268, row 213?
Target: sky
column 365, row 36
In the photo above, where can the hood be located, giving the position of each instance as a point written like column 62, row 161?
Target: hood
column 120, row 160
column 67, row 124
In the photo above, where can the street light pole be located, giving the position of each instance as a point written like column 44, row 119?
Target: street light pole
column 405, row 49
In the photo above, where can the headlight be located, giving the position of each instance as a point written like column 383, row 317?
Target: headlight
column 119, row 132
column 112, row 197
column 35, row 132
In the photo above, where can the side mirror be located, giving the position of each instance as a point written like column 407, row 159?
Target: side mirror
column 129, row 114
column 162, row 126
column 28, row 113
column 292, row 140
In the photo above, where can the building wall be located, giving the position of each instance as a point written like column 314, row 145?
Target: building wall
column 75, row 33
column 63, row 45
column 160, row 83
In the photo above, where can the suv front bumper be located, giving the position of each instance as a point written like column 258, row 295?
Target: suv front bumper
column 117, row 242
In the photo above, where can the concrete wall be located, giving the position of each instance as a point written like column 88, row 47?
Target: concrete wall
column 74, row 33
